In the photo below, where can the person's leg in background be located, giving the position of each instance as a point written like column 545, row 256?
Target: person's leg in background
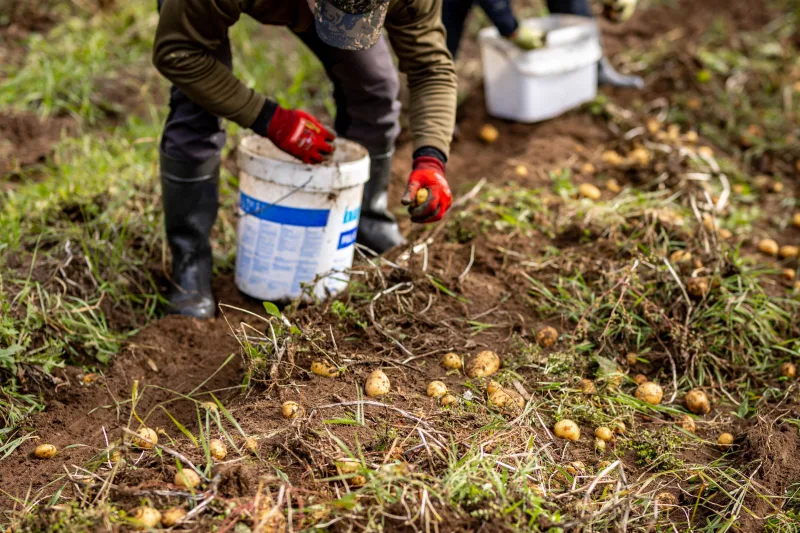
column 366, row 88
column 454, row 16
column 606, row 74
column 501, row 15
column 190, row 149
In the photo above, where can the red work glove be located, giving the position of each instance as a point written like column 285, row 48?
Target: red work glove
column 428, row 174
column 299, row 134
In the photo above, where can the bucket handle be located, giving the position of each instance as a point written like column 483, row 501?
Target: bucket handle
column 279, row 200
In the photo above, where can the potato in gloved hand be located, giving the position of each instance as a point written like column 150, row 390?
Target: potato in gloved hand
column 528, row 38
column 618, row 10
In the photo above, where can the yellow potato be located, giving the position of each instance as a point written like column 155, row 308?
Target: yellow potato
column 788, row 251
column 796, row 220
column 650, row 392
column 680, row 256
column 697, row 287
column 377, row 384
column 725, row 441
column 691, row 137
column 667, row 499
column 724, row 234
column 639, row 156
column 619, row 427
column 521, row 170
column 436, row 389
column 590, row 191
column 357, row 481
column 705, row 151
column 588, row 169
column 505, row 400
column 422, row 196
column 687, row 423
column 777, row 186
column 115, row 456
column 325, row 369
column 640, row 378
column 448, row 400
column 217, row 449
column 172, row 516
column 612, row 185
column 600, row 445
column 788, row 274
column 612, row 158
column 452, row 361
column 146, row 517
column 148, row 438
column 45, row 451
column 483, row 365
column 347, row 466
column 768, row 247
column 488, row 134
column 251, row 444
column 186, row 478
column 547, row 336
column 492, row 386
column 697, row 402
column 603, row 433
column 788, row 370
column 270, row 520
column 632, row 358
column 90, row 378
column 291, row 410
column 567, row 429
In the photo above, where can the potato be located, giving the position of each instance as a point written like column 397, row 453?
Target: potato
column 587, row 386
column 209, row 406
column 488, row 134
column 325, row 369
column 147, row 439
column 436, row 389
column 680, row 256
column 251, row 444
column 146, row 517
column 452, row 361
column 768, row 247
column 618, row 426
column 505, row 400
column 691, row 137
column 576, row 467
column 640, row 378
column 270, row 520
column 394, row 469
column 612, row 158
column 632, row 358
column 650, row 392
column 667, row 499
column 567, row 429
column 788, row 251
column 217, row 449
column 788, row 370
column 725, row 441
column 357, row 481
column 588, row 169
column 612, row 185
column 448, row 400
column 796, row 220
column 115, row 456
column 521, row 170
column 483, row 365
column 377, row 384
column 493, row 386
column 547, row 336
column 45, row 451
column 724, row 234
column 777, row 186
column 600, row 445
column 697, row 402
column 422, row 196
column 788, row 274
column 687, row 423
column 697, row 287
column 603, row 433
column 346, row 466
column 186, row 478
column 291, row 410
column 172, row 516
column 639, row 156
column 90, row 378
column 706, row 151
column 590, row 191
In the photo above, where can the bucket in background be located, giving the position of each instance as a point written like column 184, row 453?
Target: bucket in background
column 531, row 86
column 297, row 222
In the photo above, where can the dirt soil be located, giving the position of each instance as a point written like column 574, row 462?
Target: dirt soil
column 26, row 139
column 177, row 354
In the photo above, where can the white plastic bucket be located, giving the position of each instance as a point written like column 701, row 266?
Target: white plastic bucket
column 297, row 222
column 535, row 85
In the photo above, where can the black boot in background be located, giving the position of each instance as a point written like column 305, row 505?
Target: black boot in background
column 377, row 228
column 190, row 194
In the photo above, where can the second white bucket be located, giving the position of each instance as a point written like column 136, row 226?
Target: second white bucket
column 297, row 222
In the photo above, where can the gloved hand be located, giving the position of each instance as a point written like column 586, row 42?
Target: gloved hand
column 427, row 196
column 527, row 38
column 618, row 10
column 299, row 134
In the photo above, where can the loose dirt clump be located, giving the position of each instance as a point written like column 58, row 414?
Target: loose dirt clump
column 26, row 139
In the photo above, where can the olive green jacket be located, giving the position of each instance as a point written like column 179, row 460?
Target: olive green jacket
column 188, row 30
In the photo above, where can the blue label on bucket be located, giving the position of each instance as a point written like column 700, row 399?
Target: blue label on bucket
column 291, row 216
column 347, row 238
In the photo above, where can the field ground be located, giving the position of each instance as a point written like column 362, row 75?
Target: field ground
column 661, row 276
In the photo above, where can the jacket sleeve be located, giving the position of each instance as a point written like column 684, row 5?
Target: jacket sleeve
column 191, row 36
column 417, row 35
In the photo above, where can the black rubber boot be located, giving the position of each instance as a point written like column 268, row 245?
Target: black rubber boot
column 377, row 228
column 190, row 194
column 607, row 75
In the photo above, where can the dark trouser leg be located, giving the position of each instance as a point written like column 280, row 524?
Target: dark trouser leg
column 365, row 87
column 501, row 15
column 454, row 16
column 190, row 157
column 606, row 74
